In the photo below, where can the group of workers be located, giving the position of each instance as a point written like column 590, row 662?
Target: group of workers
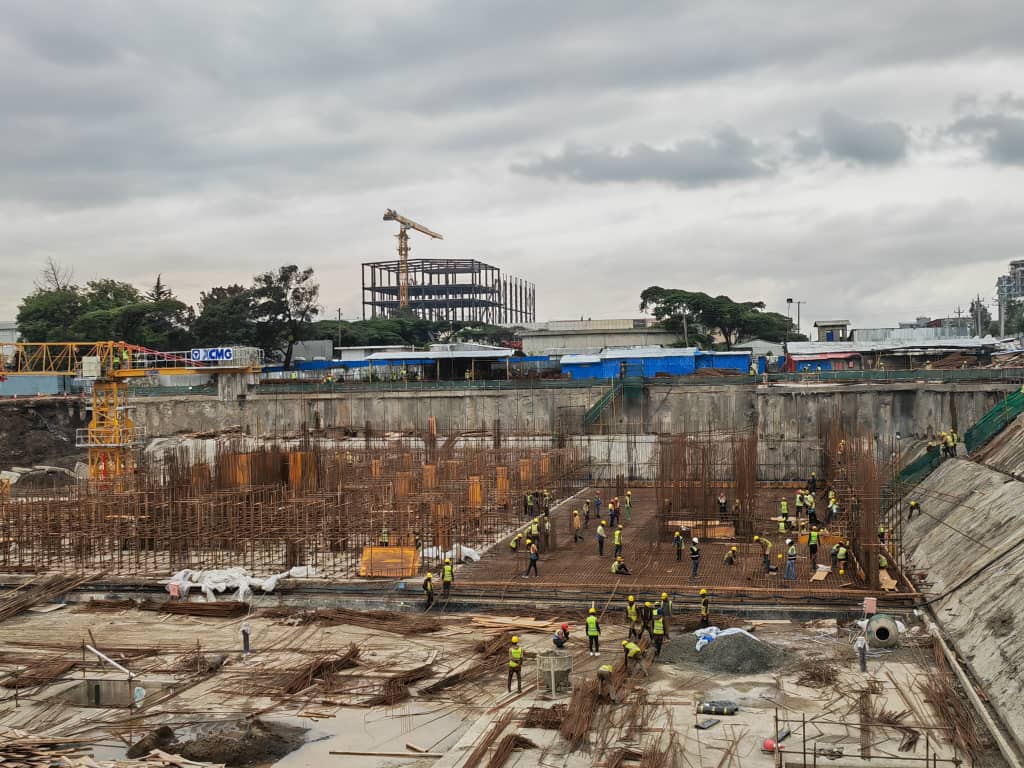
column 447, row 579
column 650, row 618
column 946, row 445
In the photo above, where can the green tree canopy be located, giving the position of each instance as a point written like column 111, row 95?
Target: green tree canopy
column 285, row 303
column 734, row 320
column 225, row 317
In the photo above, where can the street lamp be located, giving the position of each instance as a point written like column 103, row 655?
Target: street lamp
column 789, row 305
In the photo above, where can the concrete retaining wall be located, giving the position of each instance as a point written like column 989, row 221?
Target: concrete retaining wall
column 796, row 412
column 972, row 514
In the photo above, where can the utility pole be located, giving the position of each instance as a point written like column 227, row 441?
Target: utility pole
column 790, row 303
column 339, row 327
column 686, row 331
column 1001, row 295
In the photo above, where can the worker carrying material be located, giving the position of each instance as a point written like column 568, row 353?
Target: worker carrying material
column 428, row 589
column 515, row 664
column 593, row 633
column 605, row 683
column 633, row 655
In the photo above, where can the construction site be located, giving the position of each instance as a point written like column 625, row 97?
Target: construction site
column 435, row 579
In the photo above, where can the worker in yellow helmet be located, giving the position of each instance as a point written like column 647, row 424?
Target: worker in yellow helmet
column 665, row 605
column 447, row 577
column 633, row 654
column 705, row 608
column 515, row 664
column 730, row 556
column 593, row 633
column 633, row 618
column 428, row 589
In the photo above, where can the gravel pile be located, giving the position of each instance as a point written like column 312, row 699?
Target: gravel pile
column 735, row 654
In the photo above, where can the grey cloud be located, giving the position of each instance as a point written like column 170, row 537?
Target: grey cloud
column 724, row 156
column 846, row 138
column 1000, row 136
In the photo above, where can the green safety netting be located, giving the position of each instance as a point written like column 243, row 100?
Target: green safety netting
column 994, row 421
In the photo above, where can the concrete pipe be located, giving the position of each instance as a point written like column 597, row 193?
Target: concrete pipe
column 882, row 631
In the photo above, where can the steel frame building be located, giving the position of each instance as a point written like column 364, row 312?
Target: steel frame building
column 449, row 289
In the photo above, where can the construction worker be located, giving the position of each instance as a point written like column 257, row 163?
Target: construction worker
column 428, row 590
column 447, row 577
column 783, row 526
column 677, row 542
column 812, row 482
column 577, row 525
column 835, row 557
column 841, row 556
column 546, row 530
column 883, row 562
column 881, row 533
column 593, row 633
column 597, row 504
column 633, row 655
column 586, row 513
column 947, row 444
column 547, row 500
column 766, row 548
column 534, row 554
column 737, row 509
column 383, row 539
column 665, row 605
column 633, row 618
column 629, row 505
column 515, row 665
column 660, row 632
column 605, row 687
column 561, row 637
column 613, row 514
column 694, row 557
column 833, row 511
column 600, row 538
column 528, row 505
column 646, row 619
column 913, row 507
column 723, row 505
column 534, row 530
column 730, row 556
column 799, row 503
column 514, row 544
column 705, row 609
column 790, row 572
column 619, row 567
column 956, row 439
column 617, row 540
column 812, row 544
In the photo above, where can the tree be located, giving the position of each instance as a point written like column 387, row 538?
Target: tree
column 225, row 317
column 734, row 320
column 285, row 305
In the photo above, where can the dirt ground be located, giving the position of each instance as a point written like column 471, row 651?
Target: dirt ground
column 40, row 431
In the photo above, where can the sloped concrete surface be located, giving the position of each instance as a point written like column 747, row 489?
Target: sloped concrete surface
column 974, row 514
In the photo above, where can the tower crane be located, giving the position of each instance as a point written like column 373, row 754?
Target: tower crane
column 404, row 225
column 112, row 436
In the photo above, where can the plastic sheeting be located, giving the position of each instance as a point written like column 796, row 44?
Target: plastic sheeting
column 707, row 635
column 217, row 582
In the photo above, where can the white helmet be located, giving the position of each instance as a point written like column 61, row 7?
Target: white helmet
column 789, row 541
column 695, row 540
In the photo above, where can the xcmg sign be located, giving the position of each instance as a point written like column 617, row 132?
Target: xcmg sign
column 213, row 355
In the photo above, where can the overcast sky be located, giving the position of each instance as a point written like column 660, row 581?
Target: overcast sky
column 864, row 157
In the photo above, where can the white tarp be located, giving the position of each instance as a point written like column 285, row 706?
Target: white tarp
column 216, row 582
column 707, row 635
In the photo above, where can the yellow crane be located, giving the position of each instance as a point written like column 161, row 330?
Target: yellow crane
column 111, row 436
column 404, row 225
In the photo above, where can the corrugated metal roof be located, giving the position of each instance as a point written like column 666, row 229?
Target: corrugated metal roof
column 826, row 347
